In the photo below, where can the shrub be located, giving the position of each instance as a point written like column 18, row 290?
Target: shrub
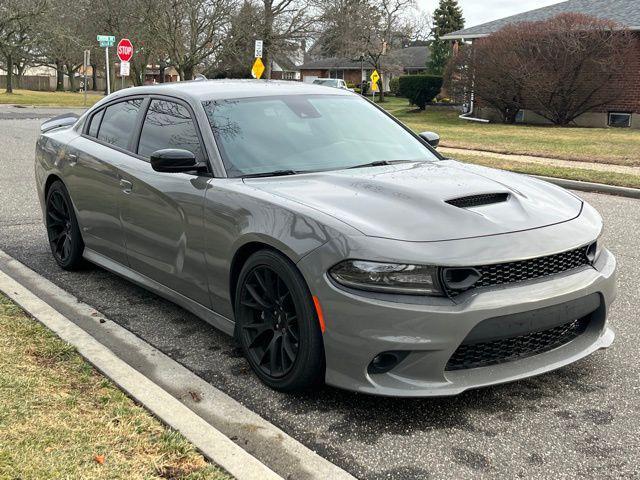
column 420, row 89
column 394, row 86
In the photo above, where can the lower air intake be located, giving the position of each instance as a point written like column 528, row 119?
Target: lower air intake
column 503, row 350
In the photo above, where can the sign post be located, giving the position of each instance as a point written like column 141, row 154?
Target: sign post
column 375, row 77
column 125, row 52
column 107, row 41
column 85, row 64
column 258, row 67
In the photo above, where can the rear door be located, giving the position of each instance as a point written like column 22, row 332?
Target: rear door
column 162, row 213
column 93, row 176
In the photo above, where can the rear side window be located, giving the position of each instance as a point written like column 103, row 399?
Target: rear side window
column 118, row 123
column 95, row 124
column 169, row 125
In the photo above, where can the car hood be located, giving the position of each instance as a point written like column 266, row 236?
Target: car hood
column 409, row 201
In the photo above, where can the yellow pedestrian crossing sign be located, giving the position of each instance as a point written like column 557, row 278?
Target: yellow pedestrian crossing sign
column 258, row 68
column 374, row 81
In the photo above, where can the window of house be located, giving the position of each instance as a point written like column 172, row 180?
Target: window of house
column 95, row 124
column 118, row 123
column 169, row 125
column 619, row 119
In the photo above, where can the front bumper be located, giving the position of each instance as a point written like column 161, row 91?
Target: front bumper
column 360, row 326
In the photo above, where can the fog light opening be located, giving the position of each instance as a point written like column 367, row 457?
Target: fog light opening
column 386, row 361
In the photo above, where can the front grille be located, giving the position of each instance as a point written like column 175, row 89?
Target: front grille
column 514, row 348
column 513, row 272
column 478, row 200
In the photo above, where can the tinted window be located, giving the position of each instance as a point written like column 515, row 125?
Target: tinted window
column 168, row 125
column 118, row 123
column 95, row 123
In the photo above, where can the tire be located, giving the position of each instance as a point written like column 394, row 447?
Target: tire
column 63, row 231
column 265, row 307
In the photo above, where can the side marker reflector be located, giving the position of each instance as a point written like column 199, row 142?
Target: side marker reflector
column 316, row 303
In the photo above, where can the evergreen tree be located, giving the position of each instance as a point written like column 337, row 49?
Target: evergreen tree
column 447, row 18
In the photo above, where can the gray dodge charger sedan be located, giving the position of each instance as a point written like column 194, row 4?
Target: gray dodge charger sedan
column 336, row 245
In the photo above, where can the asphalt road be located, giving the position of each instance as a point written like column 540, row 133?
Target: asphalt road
column 581, row 421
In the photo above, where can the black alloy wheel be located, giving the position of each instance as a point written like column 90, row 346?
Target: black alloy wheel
column 273, row 335
column 277, row 324
column 62, row 228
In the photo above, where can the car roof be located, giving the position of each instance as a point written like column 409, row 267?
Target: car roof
column 201, row 90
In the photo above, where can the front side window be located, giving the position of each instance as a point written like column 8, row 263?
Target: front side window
column 169, row 125
column 119, row 122
column 307, row 133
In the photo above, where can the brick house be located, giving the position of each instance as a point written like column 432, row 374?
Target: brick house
column 402, row 61
column 625, row 111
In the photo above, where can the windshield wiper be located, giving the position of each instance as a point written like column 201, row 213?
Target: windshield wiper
column 276, row 173
column 379, row 163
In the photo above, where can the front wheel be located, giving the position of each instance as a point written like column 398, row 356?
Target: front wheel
column 62, row 228
column 277, row 324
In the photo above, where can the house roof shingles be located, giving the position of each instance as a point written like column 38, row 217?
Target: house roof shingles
column 409, row 57
column 624, row 12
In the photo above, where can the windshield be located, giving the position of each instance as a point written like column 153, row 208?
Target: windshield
column 305, row 133
column 328, row 82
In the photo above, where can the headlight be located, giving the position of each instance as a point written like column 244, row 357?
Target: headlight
column 387, row 277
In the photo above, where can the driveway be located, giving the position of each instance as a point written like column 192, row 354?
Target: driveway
column 580, row 421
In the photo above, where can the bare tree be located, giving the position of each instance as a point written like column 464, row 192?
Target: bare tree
column 560, row 68
column 574, row 64
column 189, row 31
column 285, row 24
column 17, row 21
column 389, row 25
column 237, row 53
column 486, row 69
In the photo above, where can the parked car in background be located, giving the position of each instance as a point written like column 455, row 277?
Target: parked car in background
column 332, row 82
column 332, row 241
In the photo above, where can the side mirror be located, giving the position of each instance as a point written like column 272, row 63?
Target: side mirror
column 432, row 138
column 172, row 160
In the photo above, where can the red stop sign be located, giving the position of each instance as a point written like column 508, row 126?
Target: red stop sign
column 125, row 50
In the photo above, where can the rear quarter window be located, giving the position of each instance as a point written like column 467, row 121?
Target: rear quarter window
column 92, row 131
column 119, row 122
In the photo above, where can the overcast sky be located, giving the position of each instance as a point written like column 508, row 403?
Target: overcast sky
column 482, row 11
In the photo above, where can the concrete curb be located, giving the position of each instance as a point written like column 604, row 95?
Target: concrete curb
column 213, row 444
column 176, row 392
column 592, row 187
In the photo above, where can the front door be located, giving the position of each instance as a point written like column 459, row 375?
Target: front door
column 162, row 213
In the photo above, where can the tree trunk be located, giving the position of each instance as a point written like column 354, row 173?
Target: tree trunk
column 94, row 77
column 9, row 73
column 186, row 73
column 162, row 68
column 72, row 78
column 59, row 76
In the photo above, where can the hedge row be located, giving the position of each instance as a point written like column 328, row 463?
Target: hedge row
column 420, row 89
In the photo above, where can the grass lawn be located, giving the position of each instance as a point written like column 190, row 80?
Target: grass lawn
column 60, row 418
column 49, row 99
column 580, row 174
column 601, row 145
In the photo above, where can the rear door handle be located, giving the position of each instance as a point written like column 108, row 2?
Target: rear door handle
column 126, row 185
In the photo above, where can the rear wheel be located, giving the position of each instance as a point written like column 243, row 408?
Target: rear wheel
column 277, row 324
column 62, row 228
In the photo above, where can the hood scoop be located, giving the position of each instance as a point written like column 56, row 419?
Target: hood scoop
column 478, row 200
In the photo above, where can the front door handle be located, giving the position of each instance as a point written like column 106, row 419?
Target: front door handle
column 126, row 185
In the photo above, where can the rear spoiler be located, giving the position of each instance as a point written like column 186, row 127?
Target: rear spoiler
column 64, row 120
